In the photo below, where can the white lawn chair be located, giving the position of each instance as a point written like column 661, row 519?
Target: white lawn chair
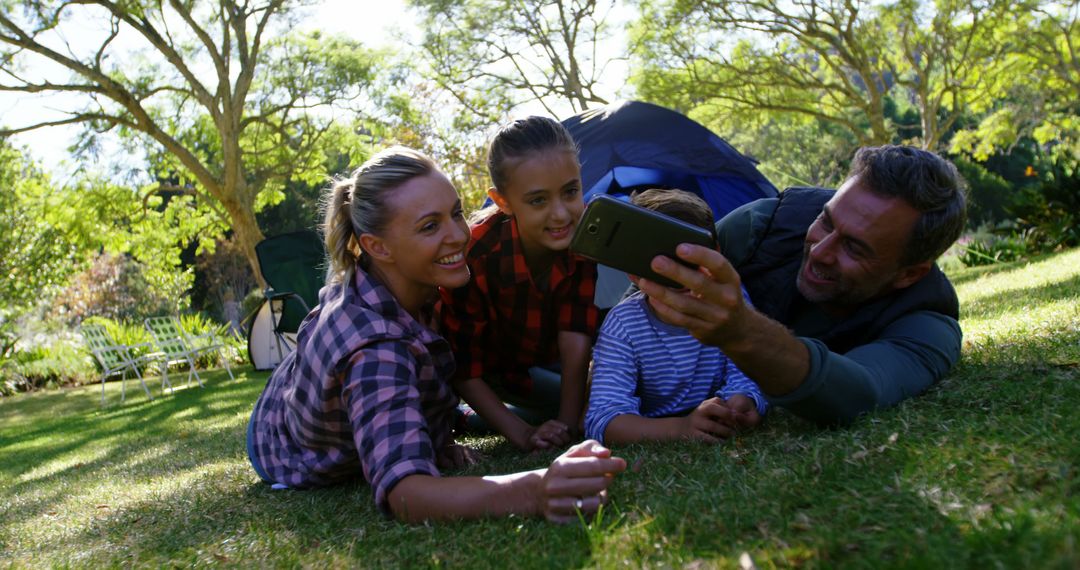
column 117, row 358
column 177, row 347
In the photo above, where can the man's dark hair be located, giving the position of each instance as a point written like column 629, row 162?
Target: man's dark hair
column 928, row 183
column 678, row 204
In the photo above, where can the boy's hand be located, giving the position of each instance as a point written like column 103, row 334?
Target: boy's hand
column 548, row 435
column 712, row 421
column 746, row 414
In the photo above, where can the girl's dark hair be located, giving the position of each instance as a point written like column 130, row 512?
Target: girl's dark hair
column 358, row 204
column 525, row 137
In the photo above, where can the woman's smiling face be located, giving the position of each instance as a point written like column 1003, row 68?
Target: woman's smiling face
column 427, row 233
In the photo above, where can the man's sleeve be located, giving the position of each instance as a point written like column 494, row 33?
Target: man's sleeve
column 910, row 355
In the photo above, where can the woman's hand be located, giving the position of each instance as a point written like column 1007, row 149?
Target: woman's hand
column 577, row 481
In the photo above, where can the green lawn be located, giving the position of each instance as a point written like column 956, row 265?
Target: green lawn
column 979, row 472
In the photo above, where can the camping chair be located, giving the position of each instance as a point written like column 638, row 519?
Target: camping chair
column 177, row 347
column 292, row 265
column 117, row 358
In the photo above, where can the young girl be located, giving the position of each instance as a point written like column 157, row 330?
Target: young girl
column 529, row 307
column 366, row 391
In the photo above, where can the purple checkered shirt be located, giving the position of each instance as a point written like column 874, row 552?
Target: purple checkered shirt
column 366, row 388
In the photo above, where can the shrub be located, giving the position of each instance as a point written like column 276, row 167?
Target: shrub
column 114, row 287
column 1007, row 244
column 198, row 324
column 49, row 362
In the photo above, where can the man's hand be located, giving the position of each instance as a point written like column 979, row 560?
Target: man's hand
column 577, row 481
column 712, row 421
column 713, row 309
column 717, row 315
column 746, row 414
column 549, row 435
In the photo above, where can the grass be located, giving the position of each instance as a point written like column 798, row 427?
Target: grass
column 982, row 471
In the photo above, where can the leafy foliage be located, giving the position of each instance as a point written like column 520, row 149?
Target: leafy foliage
column 38, row 252
column 546, row 51
column 115, row 287
column 184, row 84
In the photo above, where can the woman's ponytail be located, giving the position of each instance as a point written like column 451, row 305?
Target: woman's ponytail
column 359, row 204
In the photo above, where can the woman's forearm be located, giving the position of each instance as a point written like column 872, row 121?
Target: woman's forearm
column 419, row 498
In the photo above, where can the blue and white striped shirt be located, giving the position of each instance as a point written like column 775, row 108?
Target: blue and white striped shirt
column 646, row 367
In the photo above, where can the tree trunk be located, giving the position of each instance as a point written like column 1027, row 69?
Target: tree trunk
column 247, row 233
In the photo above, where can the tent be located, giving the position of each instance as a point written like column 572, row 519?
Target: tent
column 632, row 145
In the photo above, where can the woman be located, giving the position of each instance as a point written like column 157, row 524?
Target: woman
column 366, row 390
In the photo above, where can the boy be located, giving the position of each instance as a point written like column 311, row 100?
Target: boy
column 652, row 381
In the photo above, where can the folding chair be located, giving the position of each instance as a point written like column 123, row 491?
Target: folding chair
column 177, row 347
column 117, row 358
column 292, row 265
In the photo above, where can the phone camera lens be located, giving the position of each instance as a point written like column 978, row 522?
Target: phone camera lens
column 593, row 229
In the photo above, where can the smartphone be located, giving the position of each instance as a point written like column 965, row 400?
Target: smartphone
column 627, row 237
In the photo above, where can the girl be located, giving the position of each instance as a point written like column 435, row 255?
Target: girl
column 366, row 390
column 530, row 304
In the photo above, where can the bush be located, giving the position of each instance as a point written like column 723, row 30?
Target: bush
column 1005, row 244
column 113, row 287
column 49, row 363
column 989, row 195
column 198, row 324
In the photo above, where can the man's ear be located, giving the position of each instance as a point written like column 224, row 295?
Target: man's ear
column 633, row 279
column 911, row 275
column 500, row 201
column 374, row 246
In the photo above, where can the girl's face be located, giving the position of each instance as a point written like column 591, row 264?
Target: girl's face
column 544, row 193
column 423, row 245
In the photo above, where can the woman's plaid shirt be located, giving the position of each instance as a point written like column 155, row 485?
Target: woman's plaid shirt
column 501, row 323
column 365, row 390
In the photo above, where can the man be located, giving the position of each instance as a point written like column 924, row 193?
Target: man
column 851, row 312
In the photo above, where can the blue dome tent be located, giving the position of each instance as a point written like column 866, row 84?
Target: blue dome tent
column 631, row 145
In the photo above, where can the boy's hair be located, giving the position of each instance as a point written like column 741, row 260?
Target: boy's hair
column 678, row 204
column 359, row 204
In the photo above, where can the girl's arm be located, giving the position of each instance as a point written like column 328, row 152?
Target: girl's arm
column 575, row 351
column 577, row 480
column 485, row 402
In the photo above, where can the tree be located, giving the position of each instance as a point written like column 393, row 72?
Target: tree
column 1037, row 97
column 950, row 60
column 220, row 86
column 512, row 51
column 38, row 255
column 843, row 63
